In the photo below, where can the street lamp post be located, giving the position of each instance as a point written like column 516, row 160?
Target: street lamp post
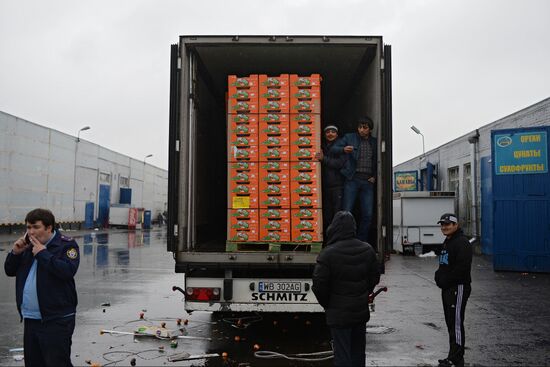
column 416, row 130
column 83, row 129
column 74, row 177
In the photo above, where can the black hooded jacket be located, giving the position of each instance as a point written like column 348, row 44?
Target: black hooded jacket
column 455, row 261
column 345, row 274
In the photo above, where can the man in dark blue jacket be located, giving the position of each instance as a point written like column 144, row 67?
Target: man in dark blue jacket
column 333, row 180
column 44, row 263
column 360, row 172
column 345, row 275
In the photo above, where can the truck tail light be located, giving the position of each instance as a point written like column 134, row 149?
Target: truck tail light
column 202, row 294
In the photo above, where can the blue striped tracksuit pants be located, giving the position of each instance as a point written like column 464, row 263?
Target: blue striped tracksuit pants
column 454, row 305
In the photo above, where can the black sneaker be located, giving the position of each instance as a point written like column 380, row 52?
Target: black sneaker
column 445, row 362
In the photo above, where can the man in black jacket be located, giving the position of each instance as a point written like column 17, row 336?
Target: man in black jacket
column 453, row 277
column 333, row 180
column 345, row 274
column 44, row 263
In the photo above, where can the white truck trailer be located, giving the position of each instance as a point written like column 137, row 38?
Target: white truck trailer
column 356, row 74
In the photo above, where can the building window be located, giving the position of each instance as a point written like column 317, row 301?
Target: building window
column 453, row 179
column 104, row 178
column 124, row 181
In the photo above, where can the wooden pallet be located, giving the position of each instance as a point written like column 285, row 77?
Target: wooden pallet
column 313, row 247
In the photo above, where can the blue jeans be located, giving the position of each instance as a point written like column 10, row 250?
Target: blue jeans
column 365, row 190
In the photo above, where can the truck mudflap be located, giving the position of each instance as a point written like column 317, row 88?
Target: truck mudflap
column 253, row 294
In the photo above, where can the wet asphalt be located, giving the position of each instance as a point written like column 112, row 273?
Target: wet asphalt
column 124, row 274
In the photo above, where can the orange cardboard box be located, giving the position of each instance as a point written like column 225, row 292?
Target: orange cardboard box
column 250, row 176
column 280, row 81
column 244, row 82
column 281, row 118
column 249, row 154
column 274, row 201
column 306, row 176
column 279, row 189
column 243, row 224
column 274, row 140
column 274, row 166
column 244, row 166
column 243, row 129
column 305, row 201
column 282, row 176
column 275, row 230
column 306, row 166
column 279, row 153
column 279, row 106
column 307, row 190
column 306, row 128
column 242, row 196
column 250, row 119
column 244, row 95
column 314, row 80
column 241, row 142
column 307, row 225
column 302, row 153
column 274, row 214
column 273, row 129
column 236, row 106
column 273, row 94
column 304, row 141
column 306, row 94
column 298, row 106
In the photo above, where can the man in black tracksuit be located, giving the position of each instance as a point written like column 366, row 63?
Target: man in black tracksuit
column 333, row 180
column 453, row 277
column 345, row 274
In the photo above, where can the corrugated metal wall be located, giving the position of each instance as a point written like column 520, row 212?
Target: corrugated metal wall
column 42, row 167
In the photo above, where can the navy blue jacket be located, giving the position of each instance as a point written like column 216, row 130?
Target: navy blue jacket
column 354, row 139
column 332, row 164
column 56, row 268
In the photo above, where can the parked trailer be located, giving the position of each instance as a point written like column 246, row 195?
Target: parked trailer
column 356, row 74
column 415, row 216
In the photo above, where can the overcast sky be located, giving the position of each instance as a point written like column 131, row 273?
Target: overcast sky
column 457, row 64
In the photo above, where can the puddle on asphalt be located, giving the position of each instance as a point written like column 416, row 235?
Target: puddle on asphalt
column 379, row 329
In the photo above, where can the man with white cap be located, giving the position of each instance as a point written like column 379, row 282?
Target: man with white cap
column 453, row 277
column 333, row 180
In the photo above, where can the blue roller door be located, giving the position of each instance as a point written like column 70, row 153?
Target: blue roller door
column 521, row 199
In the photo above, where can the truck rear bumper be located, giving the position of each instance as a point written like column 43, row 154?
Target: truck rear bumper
column 253, row 294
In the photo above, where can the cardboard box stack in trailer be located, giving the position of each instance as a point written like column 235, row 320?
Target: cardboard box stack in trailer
column 272, row 140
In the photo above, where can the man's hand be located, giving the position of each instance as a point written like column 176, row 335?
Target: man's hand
column 348, row 149
column 319, row 156
column 19, row 246
column 372, row 180
column 37, row 245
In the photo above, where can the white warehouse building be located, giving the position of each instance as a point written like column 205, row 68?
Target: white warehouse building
column 42, row 167
column 463, row 164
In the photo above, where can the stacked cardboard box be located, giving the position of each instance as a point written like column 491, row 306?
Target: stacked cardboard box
column 243, row 159
column 274, row 179
column 274, row 159
column 305, row 172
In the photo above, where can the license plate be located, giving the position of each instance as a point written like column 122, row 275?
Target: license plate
column 280, row 287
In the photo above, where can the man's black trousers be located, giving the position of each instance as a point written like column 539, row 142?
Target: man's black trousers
column 48, row 343
column 454, row 306
column 349, row 345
